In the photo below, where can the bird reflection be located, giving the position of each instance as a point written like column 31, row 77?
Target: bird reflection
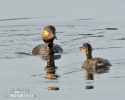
column 90, row 74
column 51, row 69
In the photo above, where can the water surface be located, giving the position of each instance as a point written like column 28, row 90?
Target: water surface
column 100, row 23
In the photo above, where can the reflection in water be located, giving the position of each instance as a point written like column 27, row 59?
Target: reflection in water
column 89, row 87
column 53, row 88
column 90, row 74
column 52, row 56
column 51, row 69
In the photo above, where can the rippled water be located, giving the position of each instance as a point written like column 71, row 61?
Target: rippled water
column 101, row 23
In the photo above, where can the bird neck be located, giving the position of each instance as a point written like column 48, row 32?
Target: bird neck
column 49, row 48
column 88, row 56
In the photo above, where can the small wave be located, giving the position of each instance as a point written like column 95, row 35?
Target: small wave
column 23, row 53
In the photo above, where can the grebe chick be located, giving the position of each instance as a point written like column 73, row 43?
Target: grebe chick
column 91, row 62
column 48, row 36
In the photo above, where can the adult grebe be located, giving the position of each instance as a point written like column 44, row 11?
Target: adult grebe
column 93, row 62
column 48, row 36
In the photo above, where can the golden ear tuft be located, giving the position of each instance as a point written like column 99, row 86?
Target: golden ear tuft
column 47, row 35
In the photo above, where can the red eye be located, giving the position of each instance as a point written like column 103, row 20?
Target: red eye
column 48, row 33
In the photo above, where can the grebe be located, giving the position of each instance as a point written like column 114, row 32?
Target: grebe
column 93, row 62
column 48, row 36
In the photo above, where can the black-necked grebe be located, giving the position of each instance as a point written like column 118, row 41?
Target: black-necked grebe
column 92, row 62
column 48, row 36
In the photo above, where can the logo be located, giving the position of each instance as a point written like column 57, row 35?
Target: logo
column 19, row 93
